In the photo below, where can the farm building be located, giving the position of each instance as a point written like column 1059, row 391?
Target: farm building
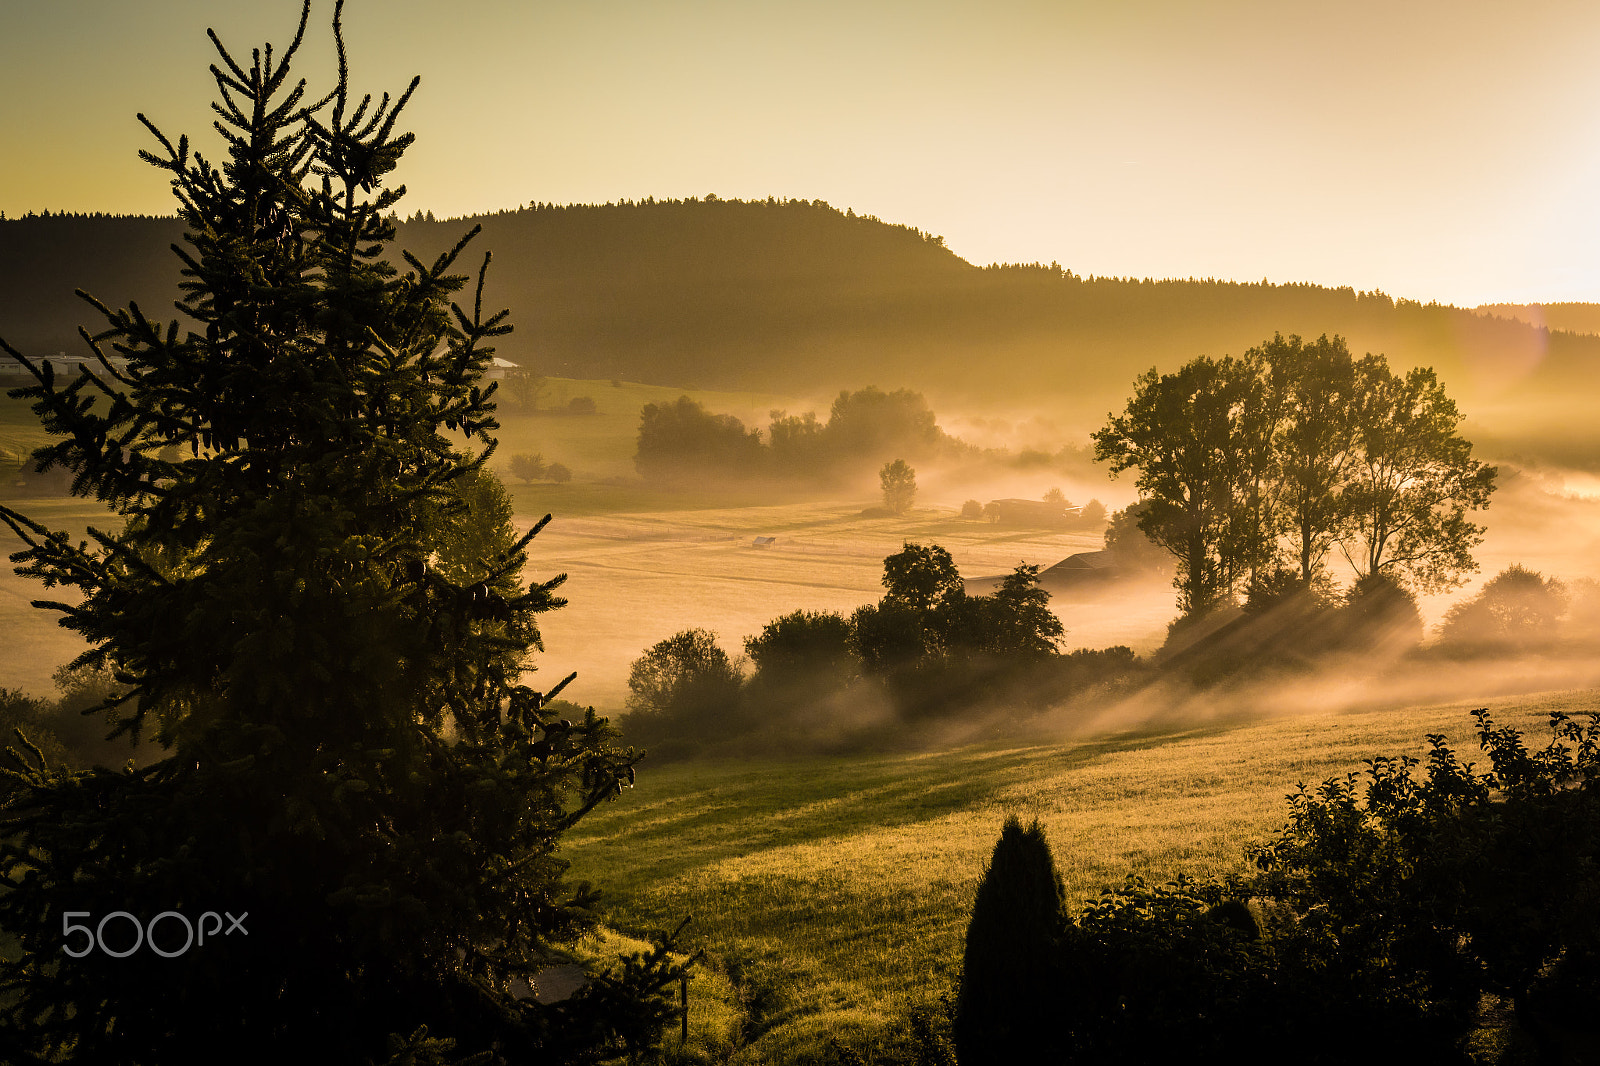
column 1030, row 512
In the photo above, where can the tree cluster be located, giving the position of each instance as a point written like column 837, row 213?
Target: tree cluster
column 864, row 429
column 926, row 649
column 315, row 609
column 1518, row 609
column 528, row 467
column 1381, row 915
column 1275, row 459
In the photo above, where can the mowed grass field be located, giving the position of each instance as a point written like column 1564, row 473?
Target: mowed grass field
column 645, row 562
column 831, row 895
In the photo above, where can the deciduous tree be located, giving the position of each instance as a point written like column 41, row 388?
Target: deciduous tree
column 899, row 483
column 1414, row 481
column 528, row 467
column 1314, row 443
column 1197, row 475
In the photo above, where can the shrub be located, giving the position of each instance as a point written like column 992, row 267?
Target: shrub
column 1009, row 971
column 528, row 468
column 1379, row 612
column 1517, row 607
column 683, row 693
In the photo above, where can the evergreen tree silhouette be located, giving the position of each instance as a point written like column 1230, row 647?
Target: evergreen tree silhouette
column 307, row 614
column 1008, row 973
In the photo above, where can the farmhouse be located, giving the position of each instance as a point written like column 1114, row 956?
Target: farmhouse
column 1083, row 568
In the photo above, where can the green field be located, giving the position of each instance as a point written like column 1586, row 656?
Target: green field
column 831, row 895
column 647, row 561
column 836, row 891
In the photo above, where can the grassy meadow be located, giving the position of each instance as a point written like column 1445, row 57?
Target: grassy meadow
column 643, row 561
column 831, row 895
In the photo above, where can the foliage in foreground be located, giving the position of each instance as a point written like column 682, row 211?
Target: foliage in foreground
column 309, row 614
column 1383, row 913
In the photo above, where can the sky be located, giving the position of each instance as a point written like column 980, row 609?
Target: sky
column 1443, row 150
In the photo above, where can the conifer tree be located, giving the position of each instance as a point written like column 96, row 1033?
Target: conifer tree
column 1005, row 1004
column 326, row 634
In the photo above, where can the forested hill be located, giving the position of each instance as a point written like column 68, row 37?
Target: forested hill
column 798, row 296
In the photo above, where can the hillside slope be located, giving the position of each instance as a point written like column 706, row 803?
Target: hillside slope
column 834, row 894
column 797, row 297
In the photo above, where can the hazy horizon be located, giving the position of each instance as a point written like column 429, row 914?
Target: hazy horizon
column 1431, row 151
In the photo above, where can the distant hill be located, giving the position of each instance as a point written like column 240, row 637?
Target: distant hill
column 1569, row 317
column 797, row 297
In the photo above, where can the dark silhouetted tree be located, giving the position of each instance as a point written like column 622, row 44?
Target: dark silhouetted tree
column 813, row 646
column 1009, row 974
column 1414, row 481
column 316, row 611
column 1197, row 472
column 1315, row 443
column 682, row 688
column 1021, row 627
column 1290, row 450
column 802, row 660
column 920, row 576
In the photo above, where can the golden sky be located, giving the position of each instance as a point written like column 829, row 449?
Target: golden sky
column 1443, row 150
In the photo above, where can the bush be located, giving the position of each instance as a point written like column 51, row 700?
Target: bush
column 1422, row 892
column 528, row 468
column 1380, row 613
column 1010, row 974
column 683, row 694
column 1517, row 607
